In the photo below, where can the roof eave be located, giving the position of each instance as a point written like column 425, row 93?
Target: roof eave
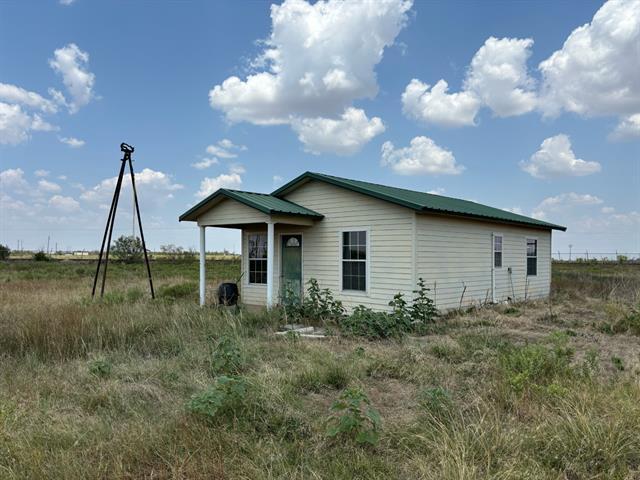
column 544, row 226
column 188, row 215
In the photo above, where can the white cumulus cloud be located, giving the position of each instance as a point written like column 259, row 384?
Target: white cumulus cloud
column 343, row 136
column 627, row 129
column 555, row 158
column 225, row 148
column 497, row 78
column 596, row 70
column 421, row 157
column 18, row 95
column 318, row 59
column 66, row 204
column 152, row 185
column 433, row 105
column 16, row 124
column 12, row 179
column 47, row 186
column 72, row 142
column 205, row 163
column 72, row 64
column 224, row 180
column 564, row 203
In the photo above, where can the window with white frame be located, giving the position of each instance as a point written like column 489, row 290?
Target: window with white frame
column 497, row 251
column 257, row 258
column 532, row 257
column 354, row 261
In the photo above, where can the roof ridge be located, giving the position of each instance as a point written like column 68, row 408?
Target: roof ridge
column 247, row 191
column 397, row 188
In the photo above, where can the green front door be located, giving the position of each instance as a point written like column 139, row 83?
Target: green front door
column 291, row 273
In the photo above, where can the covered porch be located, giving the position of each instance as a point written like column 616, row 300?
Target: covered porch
column 265, row 221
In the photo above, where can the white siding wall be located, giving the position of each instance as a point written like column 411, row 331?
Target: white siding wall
column 391, row 233
column 229, row 212
column 451, row 251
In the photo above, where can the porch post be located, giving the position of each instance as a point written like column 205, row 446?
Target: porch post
column 270, row 253
column 203, row 253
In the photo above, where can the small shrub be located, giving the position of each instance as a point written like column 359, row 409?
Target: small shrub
column 128, row 249
column 622, row 320
column 590, row 366
column 535, row 365
column 227, row 356
column 5, row 252
column 41, row 257
column 100, row 368
column 617, row 363
column 226, row 396
column 401, row 312
column 320, row 304
column 364, row 322
column 423, row 309
column 354, row 417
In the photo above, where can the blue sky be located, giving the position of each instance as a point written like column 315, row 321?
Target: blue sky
column 541, row 115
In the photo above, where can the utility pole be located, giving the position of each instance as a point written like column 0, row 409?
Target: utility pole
column 48, row 238
column 570, row 247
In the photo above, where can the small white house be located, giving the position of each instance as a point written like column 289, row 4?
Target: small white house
column 366, row 242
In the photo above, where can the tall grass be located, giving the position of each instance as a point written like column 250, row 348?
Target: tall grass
column 106, row 389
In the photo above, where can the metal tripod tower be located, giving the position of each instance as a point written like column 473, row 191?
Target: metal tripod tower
column 108, row 231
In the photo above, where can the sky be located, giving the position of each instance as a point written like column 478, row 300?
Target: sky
column 532, row 107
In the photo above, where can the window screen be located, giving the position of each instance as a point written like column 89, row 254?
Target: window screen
column 354, row 261
column 497, row 251
column 532, row 257
column 258, row 258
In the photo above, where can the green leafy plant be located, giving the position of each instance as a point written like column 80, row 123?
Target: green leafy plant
column 364, row 322
column 400, row 312
column 320, row 304
column 227, row 356
column 226, row 396
column 353, row 417
column 100, row 368
column 127, row 248
column 423, row 309
column 5, row 252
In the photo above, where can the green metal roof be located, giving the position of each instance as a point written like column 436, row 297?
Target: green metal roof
column 419, row 201
column 260, row 201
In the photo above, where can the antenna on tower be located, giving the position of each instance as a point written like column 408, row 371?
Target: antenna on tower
column 108, row 231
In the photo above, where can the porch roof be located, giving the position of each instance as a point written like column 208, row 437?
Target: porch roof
column 263, row 202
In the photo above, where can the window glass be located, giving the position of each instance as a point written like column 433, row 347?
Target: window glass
column 354, row 261
column 258, row 258
column 497, row 251
column 532, row 257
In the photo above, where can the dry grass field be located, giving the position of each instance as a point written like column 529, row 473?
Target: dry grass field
column 132, row 388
